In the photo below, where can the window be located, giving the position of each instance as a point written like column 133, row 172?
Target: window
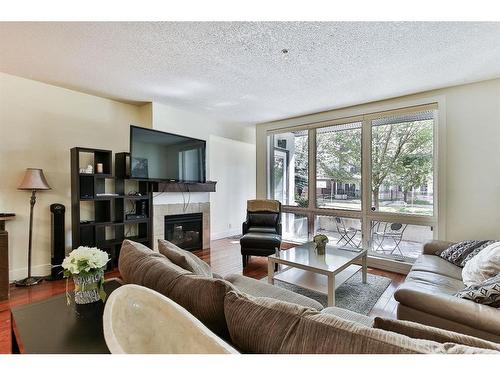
column 374, row 181
column 341, row 231
column 399, row 240
column 338, row 166
column 402, row 164
column 289, row 168
column 294, row 227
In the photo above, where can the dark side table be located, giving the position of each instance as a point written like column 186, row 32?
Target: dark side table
column 53, row 327
column 4, row 256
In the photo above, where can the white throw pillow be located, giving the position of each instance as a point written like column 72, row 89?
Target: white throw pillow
column 483, row 266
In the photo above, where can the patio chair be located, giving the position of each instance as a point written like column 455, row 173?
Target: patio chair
column 347, row 234
column 392, row 231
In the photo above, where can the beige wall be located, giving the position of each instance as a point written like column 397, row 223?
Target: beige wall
column 39, row 123
column 471, row 189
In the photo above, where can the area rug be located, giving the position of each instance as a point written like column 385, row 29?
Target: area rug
column 352, row 295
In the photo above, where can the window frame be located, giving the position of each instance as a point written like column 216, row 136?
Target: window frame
column 436, row 221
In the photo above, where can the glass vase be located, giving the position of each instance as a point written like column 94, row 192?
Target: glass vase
column 320, row 249
column 88, row 287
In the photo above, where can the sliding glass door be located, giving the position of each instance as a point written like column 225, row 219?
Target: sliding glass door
column 365, row 182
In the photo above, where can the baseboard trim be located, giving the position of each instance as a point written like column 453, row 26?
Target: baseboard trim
column 21, row 273
column 389, row 265
column 229, row 233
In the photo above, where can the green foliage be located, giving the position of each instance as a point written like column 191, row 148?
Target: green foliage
column 401, row 155
column 302, row 202
column 339, row 155
column 301, row 163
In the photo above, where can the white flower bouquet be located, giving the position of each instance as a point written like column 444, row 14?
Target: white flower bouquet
column 86, row 266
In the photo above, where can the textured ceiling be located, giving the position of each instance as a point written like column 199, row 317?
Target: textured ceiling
column 237, row 71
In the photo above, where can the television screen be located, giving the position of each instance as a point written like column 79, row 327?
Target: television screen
column 158, row 155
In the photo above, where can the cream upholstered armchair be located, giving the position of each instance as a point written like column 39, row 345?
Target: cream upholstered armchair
column 138, row 320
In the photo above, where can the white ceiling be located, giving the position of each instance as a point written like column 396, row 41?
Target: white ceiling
column 237, row 72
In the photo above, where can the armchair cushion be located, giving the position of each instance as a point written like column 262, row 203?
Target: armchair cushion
column 262, row 219
column 264, row 241
column 262, row 230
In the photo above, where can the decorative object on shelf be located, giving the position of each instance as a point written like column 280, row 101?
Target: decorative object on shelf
column 90, row 169
column 320, row 240
column 139, row 167
column 86, row 266
column 100, row 168
column 33, row 181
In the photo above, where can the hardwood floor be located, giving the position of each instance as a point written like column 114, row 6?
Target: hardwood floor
column 224, row 257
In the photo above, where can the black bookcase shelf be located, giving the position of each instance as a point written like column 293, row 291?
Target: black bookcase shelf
column 108, row 226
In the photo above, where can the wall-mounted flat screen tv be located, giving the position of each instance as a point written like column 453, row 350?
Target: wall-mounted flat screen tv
column 157, row 155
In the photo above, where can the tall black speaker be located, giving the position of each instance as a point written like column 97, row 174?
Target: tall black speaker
column 57, row 240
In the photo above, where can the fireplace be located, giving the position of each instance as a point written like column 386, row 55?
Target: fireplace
column 185, row 231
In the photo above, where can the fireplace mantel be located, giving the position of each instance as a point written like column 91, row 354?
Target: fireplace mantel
column 177, row 187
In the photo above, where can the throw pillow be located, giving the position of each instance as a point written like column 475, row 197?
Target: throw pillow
column 458, row 252
column 487, row 293
column 483, row 266
column 476, row 251
column 184, row 258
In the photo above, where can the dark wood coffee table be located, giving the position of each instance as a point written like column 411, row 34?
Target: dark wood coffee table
column 53, row 327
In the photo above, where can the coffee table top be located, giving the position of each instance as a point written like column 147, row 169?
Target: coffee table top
column 304, row 256
column 52, row 327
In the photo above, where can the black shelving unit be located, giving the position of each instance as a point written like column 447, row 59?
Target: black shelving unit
column 107, row 222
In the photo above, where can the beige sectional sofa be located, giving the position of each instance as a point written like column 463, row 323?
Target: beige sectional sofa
column 427, row 297
column 258, row 318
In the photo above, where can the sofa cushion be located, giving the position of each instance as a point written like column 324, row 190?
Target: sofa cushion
column 140, row 265
column 483, row 266
column 458, row 252
column 268, row 326
column 420, row 331
column 487, row 293
column 436, row 300
column 349, row 315
column 258, row 288
column 438, row 265
column 184, row 258
column 202, row 296
column 435, row 282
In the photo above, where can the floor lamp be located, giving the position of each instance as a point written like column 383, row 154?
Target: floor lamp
column 33, row 180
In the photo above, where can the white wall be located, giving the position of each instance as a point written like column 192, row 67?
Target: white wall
column 230, row 162
column 39, row 123
column 472, row 134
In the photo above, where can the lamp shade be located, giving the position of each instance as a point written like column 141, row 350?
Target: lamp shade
column 34, row 180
